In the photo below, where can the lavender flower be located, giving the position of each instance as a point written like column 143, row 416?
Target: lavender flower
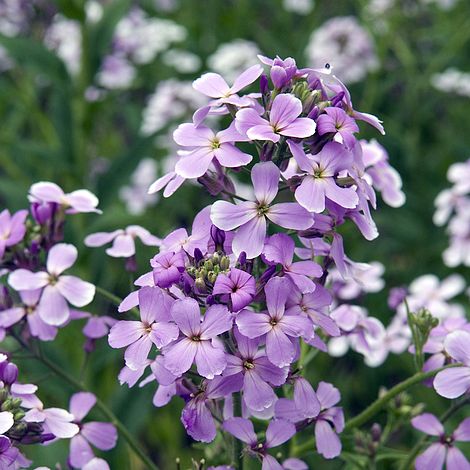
column 238, row 285
column 12, row 229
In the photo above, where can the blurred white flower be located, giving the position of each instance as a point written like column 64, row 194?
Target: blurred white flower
column 344, row 44
column 135, row 195
column 452, row 81
column 65, row 38
column 182, row 61
column 116, row 73
column 232, row 58
column 301, row 7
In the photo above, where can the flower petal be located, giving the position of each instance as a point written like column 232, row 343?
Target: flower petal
column 53, row 308
column 328, row 443
column 22, row 279
column 123, row 247
column 250, row 237
column 210, row 361
column 61, row 257
column 290, row 215
column 81, row 403
column 241, row 428
column 101, row 435
column 228, row 216
column 432, row 458
column 213, row 85
column 428, row 424
column 265, row 177
column 452, row 383
column 187, row 315
column 79, row 293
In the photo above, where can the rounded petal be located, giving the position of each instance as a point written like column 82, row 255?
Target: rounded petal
column 228, row 216
column 230, row 156
column 279, row 348
column 290, row 215
column 265, row 177
column 285, row 109
column 250, row 237
column 61, row 257
column 457, row 345
column 124, row 333
column 462, row 433
column 53, row 308
column 210, row 361
column 452, row 383
column 257, row 394
column 22, row 279
column 96, row 464
column 47, row 192
column 262, row 132
column 137, row 353
column 217, row 320
column 428, row 424
column 328, row 443
column 241, row 428
column 81, row 403
column 300, row 128
column 213, row 85
column 456, row 460
column 101, row 435
column 188, row 135
column 80, row 452
column 253, row 325
column 195, row 164
column 180, row 357
column 101, row 238
column 311, row 194
column 278, row 432
column 6, row 421
column 79, row 293
column 187, row 316
column 123, row 247
column 246, row 78
column 432, row 458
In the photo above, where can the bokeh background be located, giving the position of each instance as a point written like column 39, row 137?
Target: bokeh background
column 91, row 91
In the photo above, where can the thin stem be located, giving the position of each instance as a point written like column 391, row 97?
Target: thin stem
column 237, row 456
column 234, row 196
column 378, row 405
column 114, row 299
column 133, row 444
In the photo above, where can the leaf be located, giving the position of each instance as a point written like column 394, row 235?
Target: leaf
column 33, row 54
column 72, row 9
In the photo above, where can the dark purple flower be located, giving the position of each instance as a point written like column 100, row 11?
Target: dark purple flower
column 336, row 121
column 167, row 268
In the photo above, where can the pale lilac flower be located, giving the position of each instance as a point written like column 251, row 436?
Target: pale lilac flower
column 279, row 249
column 279, row 327
column 283, row 120
column 37, row 326
column 318, row 183
column 101, row 435
column 196, row 416
column 336, row 121
column 12, row 229
column 6, row 421
column 204, row 146
column 167, row 268
column 315, row 305
column 238, row 285
column 444, row 449
column 56, row 420
column 454, row 382
column 213, row 85
column 197, row 343
column 96, row 464
column 98, row 326
column 282, row 70
column 256, row 373
column 251, row 216
column 294, row 464
column 179, row 239
column 278, row 432
column 58, row 288
column 123, row 240
column 77, row 201
column 155, row 327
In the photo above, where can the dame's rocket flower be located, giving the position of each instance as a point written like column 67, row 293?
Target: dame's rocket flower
column 318, row 183
column 444, row 449
column 58, row 288
column 12, row 228
column 283, row 120
column 81, row 200
column 204, row 145
column 336, row 121
column 278, row 327
column 155, row 327
column 238, row 285
column 213, row 85
column 167, row 268
column 279, row 249
column 101, row 435
column 123, row 240
column 454, row 382
column 251, row 216
column 198, row 339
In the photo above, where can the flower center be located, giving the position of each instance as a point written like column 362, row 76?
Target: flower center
column 215, row 144
column 196, row 338
column 248, row 364
column 262, row 209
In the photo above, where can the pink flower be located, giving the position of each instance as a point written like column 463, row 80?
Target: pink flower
column 318, row 183
column 251, row 216
column 12, row 229
column 283, row 120
column 238, row 285
column 204, row 146
column 214, row 86
column 56, row 420
column 81, row 200
column 58, row 288
column 337, row 122
column 123, row 244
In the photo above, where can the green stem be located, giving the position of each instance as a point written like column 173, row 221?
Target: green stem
column 133, row 444
column 378, row 405
column 114, row 299
column 237, row 457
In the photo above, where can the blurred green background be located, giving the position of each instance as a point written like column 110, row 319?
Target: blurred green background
column 81, row 119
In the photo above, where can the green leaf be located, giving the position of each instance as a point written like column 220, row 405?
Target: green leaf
column 32, row 54
column 73, row 9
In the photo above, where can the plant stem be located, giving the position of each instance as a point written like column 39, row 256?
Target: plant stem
column 133, row 444
column 114, row 299
column 378, row 404
column 237, row 456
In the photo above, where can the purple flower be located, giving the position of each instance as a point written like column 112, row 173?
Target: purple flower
column 12, row 229
column 315, row 305
column 167, row 268
column 8, row 454
column 283, row 120
column 318, row 183
column 170, row 181
column 336, row 121
column 278, row 327
column 294, row 464
column 444, row 450
column 257, row 374
column 37, row 326
column 81, row 200
column 251, row 216
column 123, row 245
column 180, row 240
column 6, row 421
column 454, row 382
column 278, row 432
column 155, row 327
column 280, row 249
column 98, row 326
column 214, row 86
column 101, row 435
column 56, row 420
column 196, row 416
column 204, row 145
column 238, row 285
column 197, row 344
column 58, row 288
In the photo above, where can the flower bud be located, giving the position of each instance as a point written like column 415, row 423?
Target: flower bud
column 9, row 374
